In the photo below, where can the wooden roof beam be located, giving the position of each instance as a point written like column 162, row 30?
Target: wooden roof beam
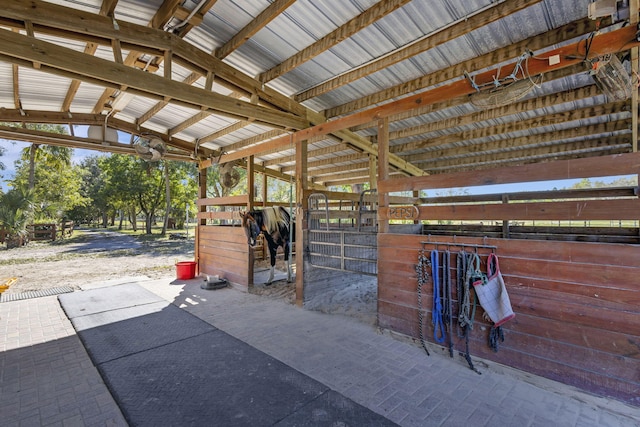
column 573, row 149
column 325, row 162
column 530, row 104
column 505, row 145
column 313, row 174
column 107, row 8
column 467, row 138
column 40, row 137
column 312, row 153
column 57, row 57
column 366, row 18
column 572, row 54
column 92, row 25
column 64, row 118
column 541, row 41
column 460, row 28
column 262, row 20
column 494, row 113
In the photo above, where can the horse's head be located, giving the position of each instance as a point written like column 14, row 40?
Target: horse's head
column 251, row 228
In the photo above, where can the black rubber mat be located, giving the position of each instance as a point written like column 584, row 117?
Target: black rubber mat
column 333, row 409
column 166, row 367
column 211, row 379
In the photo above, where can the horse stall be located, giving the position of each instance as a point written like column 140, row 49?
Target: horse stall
column 340, row 263
column 222, row 248
column 569, row 260
column 221, row 244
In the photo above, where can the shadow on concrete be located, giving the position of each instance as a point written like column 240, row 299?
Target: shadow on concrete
column 165, row 366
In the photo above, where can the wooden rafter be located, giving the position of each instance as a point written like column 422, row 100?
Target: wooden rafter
column 366, row 18
column 192, row 78
column 569, row 55
column 39, row 137
column 57, row 57
column 262, row 20
column 569, row 150
column 508, row 53
column 485, row 115
column 498, row 147
column 208, row 4
column 462, row 27
column 312, row 153
column 516, row 107
column 54, row 18
column 30, row 116
column 326, row 162
column 503, row 130
column 161, row 17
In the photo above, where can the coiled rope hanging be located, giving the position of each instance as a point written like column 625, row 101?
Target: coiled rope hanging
column 422, row 270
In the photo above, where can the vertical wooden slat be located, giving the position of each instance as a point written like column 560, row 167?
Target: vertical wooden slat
column 264, row 189
column 302, row 237
column 373, row 172
column 251, row 197
column 383, row 169
column 202, row 194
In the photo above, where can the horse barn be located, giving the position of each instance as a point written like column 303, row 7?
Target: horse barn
column 448, row 117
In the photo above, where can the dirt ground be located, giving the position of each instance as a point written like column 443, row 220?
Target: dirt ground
column 96, row 255
column 91, row 255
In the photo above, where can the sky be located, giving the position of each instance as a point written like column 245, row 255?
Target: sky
column 13, row 151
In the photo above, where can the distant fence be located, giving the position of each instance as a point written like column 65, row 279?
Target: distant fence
column 49, row 232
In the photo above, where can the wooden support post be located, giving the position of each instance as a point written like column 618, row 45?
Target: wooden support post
column 251, row 190
column 302, row 235
column 383, row 169
column 416, row 194
column 265, row 194
column 202, row 194
column 373, row 172
column 250, row 200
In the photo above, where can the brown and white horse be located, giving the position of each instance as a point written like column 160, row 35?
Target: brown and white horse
column 275, row 225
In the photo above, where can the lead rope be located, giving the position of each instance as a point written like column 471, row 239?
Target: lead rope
column 422, row 268
column 436, row 312
column 463, row 294
column 496, row 334
column 466, row 314
column 446, row 296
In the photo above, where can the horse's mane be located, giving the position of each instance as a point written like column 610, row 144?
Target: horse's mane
column 273, row 217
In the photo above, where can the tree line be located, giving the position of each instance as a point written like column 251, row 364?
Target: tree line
column 108, row 189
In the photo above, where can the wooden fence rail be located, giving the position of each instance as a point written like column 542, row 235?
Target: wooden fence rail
column 45, row 232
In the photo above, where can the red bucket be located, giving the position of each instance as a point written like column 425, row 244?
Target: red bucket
column 186, row 270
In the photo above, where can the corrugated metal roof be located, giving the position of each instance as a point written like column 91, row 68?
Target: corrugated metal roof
column 302, row 24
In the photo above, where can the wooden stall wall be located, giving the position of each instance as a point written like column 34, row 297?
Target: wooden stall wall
column 577, row 303
column 577, row 309
column 223, row 251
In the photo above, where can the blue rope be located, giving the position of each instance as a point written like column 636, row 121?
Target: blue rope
column 436, row 313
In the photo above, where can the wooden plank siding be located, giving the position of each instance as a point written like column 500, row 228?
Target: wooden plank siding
column 577, row 308
column 223, row 251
